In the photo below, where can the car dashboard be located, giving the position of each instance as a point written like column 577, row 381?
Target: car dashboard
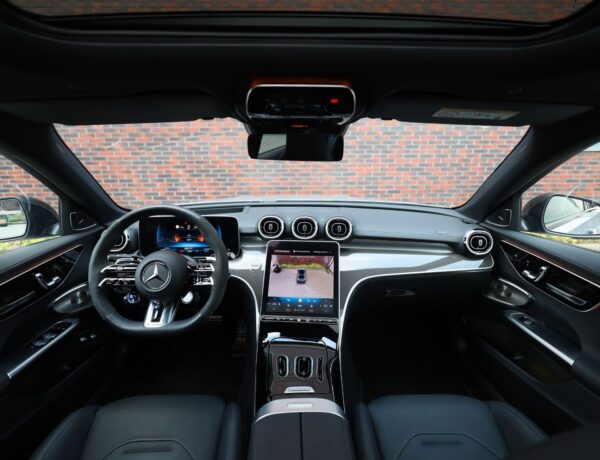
column 372, row 243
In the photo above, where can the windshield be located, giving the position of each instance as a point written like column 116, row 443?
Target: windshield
column 192, row 162
column 507, row 10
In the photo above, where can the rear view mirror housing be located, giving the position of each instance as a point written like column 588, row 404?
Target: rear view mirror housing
column 296, row 147
column 298, row 121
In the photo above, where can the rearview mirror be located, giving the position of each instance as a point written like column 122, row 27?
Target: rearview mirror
column 296, row 147
column 13, row 220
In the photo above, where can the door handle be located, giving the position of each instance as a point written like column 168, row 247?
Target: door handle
column 535, row 277
column 565, row 295
column 9, row 308
column 55, row 281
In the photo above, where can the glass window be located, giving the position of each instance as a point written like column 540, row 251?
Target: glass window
column 565, row 204
column 190, row 162
column 28, row 209
column 535, row 11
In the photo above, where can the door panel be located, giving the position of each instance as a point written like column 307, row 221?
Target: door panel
column 54, row 346
column 540, row 346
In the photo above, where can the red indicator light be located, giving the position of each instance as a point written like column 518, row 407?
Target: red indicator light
column 334, row 100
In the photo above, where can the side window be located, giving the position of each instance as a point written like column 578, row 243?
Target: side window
column 565, row 204
column 28, row 209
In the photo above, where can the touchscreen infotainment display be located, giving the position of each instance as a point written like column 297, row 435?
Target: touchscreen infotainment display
column 301, row 278
column 164, row 232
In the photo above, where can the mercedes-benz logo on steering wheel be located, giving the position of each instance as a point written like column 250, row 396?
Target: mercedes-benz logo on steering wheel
column 156, row 275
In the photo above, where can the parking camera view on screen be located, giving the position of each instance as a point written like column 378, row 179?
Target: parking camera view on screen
column 301, row 284
column 301, row 276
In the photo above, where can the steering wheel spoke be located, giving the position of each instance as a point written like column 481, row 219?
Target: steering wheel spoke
column 120, row 272
column 160, row 313
column 201, row 271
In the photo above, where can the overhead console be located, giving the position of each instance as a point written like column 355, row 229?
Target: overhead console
column 296, row 105
column 298, row 121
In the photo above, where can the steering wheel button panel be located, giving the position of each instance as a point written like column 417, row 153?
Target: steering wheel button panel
column 204, row 281
column 123, row 281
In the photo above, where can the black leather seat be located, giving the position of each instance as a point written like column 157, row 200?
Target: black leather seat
column 428, row 427
column 149, row 428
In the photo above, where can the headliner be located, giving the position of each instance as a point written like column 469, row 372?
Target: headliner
column 67, row 73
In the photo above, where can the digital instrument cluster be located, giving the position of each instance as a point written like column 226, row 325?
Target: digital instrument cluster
column 170, row 233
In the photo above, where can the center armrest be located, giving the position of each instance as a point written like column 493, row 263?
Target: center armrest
column 301, row 429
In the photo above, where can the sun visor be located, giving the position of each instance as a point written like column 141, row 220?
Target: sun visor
column 143, row 108
column 444, row 109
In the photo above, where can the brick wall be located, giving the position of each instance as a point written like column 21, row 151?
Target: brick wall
column 206, row 160
column 14, row 181
column 580, row 176
column 444, row 165
column 520, row 10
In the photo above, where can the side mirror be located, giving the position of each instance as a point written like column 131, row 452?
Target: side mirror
column 13, row 220
column 23, row 217
column 563, row 215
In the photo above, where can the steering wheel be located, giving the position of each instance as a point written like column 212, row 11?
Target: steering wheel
column 163, row 278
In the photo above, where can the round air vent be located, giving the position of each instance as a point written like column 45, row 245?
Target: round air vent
column 121, row 243
column 304, row 228
column 478, row 242
column 270, row 227
column 338, row 229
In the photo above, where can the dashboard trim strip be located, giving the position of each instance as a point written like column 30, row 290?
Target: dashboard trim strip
column 257, row 321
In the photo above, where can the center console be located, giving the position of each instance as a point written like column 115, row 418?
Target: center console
column 299, row 396
column 300, row 367
column 299, row 318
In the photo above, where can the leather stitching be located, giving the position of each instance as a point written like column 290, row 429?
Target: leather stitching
column 130, row 441
column 454, row 434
